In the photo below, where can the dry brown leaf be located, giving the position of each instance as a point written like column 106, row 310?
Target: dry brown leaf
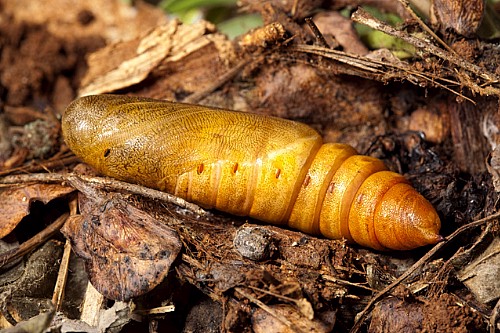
column 482, row 275
column 127, row 63
column 15, row 202
column 339, row 29
column 127, row 252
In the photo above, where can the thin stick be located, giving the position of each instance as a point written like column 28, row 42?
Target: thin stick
column 58, row 163
column 344, row 282
column 494, row 317
column 12, row 255
column 294, row 8
column 424, row 26
column 266, row 308
column 319, row 36
column 380, row 68
column 103, row 183
column 363, row 17
column 62, row 276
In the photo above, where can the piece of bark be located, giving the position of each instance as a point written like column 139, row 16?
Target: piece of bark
column 470, row 147
column 124, row 64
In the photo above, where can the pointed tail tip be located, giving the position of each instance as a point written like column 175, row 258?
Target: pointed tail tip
column 435, row 238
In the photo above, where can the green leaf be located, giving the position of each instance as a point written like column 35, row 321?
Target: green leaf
column 178, row 6
column 239, row 25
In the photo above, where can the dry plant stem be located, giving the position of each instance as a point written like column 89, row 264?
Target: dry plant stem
column 113, row 184
column 141, row 315
column 268, row 309
column 437, row 288
column 319, row 36
column 103, row 183
column 229, row 75
column 407, row 6
column 363, row 17
column 344, row 282
column 62, row 276
column 29, row 245
column 294, row 8
column 494, row 317
column 379, row 68
column 363, row 314
column 155, row 311
column 289, row 299
column 370, row 65
column 57, row 163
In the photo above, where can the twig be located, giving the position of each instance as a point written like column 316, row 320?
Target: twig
column 294, row 8
column 268, row 309
column 379, row 67
column 345, row 282
column 361, row 16
column 62, row 276
column 103, row 183
column 37, row 167
column 460, row 255
column 12, row 255
column 319, row 36
column 154, row 311
column 494, row 317
column 286, row 298
column 362, row 315
column 424, row 26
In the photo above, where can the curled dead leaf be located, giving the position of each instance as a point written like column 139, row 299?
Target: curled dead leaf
column 127, row 252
